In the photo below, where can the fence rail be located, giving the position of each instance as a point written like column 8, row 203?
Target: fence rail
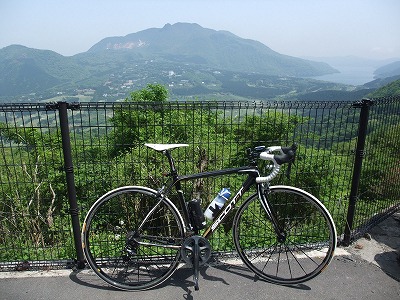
column 56, row 159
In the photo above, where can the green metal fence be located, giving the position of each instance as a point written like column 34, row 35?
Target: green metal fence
column 56, row 159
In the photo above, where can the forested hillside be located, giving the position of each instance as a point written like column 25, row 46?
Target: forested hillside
column 391, row 89
column 182, row 55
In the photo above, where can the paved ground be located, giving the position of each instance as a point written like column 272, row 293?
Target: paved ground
column 381, row 246
column 368, row 269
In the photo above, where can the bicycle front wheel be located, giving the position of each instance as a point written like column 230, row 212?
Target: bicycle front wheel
column 304, row 247
column 132, row 237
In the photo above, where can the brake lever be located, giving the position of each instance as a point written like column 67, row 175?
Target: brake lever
column 289, row 168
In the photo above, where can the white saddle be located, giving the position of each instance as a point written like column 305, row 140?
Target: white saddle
column 163, row 147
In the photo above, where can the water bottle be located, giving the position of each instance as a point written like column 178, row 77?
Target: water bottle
column 217, row 204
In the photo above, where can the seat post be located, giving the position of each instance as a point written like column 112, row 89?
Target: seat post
column 174, row 172
column 178, row 186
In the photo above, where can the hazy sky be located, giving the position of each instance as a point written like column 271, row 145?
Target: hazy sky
column 365, row 28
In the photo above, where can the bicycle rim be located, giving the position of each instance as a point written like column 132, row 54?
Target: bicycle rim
column 132, row 238
column 309, row 236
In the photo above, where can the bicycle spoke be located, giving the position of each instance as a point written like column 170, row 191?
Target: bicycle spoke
column 300, row 252
column 288, row 261
column 124, row 255
column 269, row 253
column 297, row 261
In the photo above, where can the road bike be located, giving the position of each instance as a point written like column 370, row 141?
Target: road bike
column 135, row 237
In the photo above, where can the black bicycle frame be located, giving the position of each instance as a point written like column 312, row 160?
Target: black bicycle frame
column 251, row 171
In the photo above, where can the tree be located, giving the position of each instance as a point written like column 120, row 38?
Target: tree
column 131, row 123
column 380, row 170
column 33, row 189
column 389, row 90
column 151, row 93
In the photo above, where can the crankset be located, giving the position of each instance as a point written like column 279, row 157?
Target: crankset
column 196, row 251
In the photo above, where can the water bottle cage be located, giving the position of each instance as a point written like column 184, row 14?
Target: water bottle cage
column 196, row 215
column 214, row 210
column 217, row 204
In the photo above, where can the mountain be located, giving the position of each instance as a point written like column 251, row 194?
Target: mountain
column 380, row 82
column 392, row 69
column 25, row 70
column 389, row 90
column 191, row 43
column 146, row 55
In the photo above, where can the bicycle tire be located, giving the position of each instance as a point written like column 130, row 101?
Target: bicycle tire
column 112, row 222
column 310, row 236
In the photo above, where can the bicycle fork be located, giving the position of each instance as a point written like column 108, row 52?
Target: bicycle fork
column 263, row 192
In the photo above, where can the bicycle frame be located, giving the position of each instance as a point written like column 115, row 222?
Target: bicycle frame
column 251, row 171
column 161, row 233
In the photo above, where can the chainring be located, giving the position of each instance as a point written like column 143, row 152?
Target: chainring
column 193, row 244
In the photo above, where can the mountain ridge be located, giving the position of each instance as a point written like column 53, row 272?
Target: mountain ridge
column 26, row 70
column 389, row 70
column 220, row 49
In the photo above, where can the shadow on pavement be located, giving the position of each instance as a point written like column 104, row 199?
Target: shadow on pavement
column 387, row 234
column 182, row 278
column 388, row 262
column 240, row 270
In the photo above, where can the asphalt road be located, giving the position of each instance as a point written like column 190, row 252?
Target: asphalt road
column 368, row 269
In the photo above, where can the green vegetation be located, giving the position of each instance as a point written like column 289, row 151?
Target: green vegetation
column 110, row 76
column 34, row 203
column 193, row 44
column 184, row 56
column 391, row 89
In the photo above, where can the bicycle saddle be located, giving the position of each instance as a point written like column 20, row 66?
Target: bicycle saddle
column 163, row 147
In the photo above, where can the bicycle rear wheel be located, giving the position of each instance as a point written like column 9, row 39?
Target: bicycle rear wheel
column 306, row 246
column 131, row 238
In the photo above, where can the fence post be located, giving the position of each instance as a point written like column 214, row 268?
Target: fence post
column 364, row 104
column 69, row 173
